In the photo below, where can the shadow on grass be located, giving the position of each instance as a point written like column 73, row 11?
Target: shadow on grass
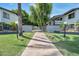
column 61, row 37
column 26, row 37
column 20, row 45
column 71, row 46
column 76, row 38
column 23, row 39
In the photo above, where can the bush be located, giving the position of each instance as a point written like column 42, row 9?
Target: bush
column 56, row 31
column 13, row 26
column 62, row 25
column 8, row 26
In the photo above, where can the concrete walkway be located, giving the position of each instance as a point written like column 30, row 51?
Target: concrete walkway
column 41, row 46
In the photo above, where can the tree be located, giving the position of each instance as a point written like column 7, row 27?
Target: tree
column 33, row 16
column 40, row 14
column 19, row 20
column 12, row 25
column 25, row 17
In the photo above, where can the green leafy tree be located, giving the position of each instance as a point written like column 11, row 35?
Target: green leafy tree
column 40, row 14
column 12, row 25
column 33, row 16
column 25, row 17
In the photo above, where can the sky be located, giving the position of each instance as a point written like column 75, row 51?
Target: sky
column 57, row 9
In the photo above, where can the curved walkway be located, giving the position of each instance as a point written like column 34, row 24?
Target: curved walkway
column 40, row 46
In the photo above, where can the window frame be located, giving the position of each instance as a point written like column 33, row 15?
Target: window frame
column 71, row 15
column 6, row 15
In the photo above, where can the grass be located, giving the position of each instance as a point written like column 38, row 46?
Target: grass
column 11, row 46
column 68, row 46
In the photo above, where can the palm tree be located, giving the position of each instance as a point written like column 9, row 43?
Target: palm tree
column 19, row 20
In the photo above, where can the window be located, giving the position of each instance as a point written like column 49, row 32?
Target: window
column 6, row 15
column 72, row 15
column 60, row 19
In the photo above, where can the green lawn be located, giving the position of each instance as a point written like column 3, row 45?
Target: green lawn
column 68, row 46
column 10, row 45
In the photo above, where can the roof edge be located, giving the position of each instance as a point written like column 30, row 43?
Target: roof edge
column 8, row 10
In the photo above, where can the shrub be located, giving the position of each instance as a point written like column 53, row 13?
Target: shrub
column 13, row 26
column 62, row 25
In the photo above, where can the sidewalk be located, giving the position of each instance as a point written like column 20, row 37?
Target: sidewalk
column 40, row 46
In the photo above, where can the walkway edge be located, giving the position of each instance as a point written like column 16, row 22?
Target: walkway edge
column 28, row 45
column 54, row 45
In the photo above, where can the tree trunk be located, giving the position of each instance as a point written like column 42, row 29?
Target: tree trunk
column 44, row 28
column 41, row 28
column 19, row 20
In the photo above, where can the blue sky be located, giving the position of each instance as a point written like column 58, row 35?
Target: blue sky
column 58, row 8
